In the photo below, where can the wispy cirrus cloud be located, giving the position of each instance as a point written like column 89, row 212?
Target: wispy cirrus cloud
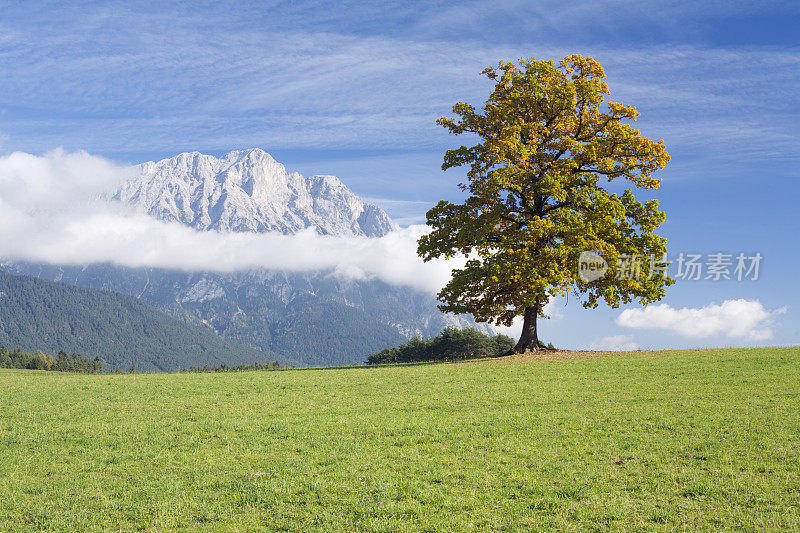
column 218, row 80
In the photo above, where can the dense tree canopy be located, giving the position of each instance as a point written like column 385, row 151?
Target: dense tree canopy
column 547, row 138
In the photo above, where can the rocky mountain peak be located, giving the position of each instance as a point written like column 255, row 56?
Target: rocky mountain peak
column 248, row 190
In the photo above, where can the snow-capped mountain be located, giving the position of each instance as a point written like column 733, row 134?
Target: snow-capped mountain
column 247, row 190
column 310, row 318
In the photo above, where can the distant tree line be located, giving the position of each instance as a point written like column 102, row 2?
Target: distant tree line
column 76, row 362
column 274, row 365
column 42, row 361
column 452, row 344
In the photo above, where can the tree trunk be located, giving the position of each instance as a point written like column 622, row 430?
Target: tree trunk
column 529, row 340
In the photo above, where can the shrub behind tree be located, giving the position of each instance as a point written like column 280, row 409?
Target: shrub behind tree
column 452, row 344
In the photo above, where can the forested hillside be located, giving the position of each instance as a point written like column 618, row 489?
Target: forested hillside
column 41, row 315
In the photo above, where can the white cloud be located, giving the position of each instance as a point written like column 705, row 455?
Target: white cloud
column 56, row 180
column 737, row 319
column 52, row 213
column 616, row 343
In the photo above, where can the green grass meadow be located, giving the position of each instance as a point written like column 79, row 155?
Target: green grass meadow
column 703, row 439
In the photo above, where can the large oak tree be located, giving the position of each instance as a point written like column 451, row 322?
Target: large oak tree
column 546, row 141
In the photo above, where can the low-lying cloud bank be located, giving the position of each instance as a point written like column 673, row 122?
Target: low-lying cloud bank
column 736, row 319
column 52, row 212
column 616, row 343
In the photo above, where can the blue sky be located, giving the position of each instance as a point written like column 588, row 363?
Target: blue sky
column 353, row 89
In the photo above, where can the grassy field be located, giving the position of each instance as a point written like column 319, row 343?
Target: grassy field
column 689, row 439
